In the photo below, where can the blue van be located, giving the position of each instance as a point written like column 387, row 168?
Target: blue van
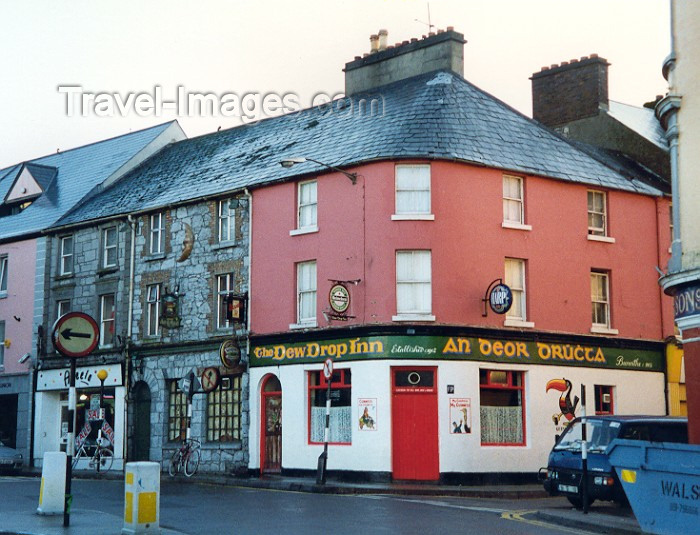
column 563, row 474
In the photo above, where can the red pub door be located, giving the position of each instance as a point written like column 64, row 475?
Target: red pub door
column 414, row 423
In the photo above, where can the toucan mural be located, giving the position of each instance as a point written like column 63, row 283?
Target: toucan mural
column 566, row 407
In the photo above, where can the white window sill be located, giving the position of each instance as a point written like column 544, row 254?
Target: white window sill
column 604, row 239
column 308, row 325
column 516, row 226
column 3, row 295
column 413, row 217
column 305, row 230
column 224, row 245
column 602, row 329
column 510, row 322
column 413, row 317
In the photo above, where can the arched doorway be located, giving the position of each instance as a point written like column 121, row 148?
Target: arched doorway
column 271, row 426
column 142, row 421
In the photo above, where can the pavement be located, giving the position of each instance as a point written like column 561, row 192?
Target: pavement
column 603, row 517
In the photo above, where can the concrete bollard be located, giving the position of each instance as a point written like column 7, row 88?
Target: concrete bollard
column 141, row 498
column 52, row 494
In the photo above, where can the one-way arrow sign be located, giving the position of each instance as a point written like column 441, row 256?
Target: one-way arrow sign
column 75, row 334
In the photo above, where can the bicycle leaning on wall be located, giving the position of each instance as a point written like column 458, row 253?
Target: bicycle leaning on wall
column 186, row 458
column 102, row 458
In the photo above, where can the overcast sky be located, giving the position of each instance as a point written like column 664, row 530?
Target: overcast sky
column 285, row 46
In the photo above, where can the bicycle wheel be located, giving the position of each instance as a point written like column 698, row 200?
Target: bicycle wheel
column 175, row 462
column 105, row 460
column 192, row 462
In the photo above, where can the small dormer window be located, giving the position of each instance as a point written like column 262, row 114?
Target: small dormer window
column 30, row 181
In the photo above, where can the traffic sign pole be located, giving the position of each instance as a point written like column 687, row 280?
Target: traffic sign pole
column 70, row 444
column 323, row 458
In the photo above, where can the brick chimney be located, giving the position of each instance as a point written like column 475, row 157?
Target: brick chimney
column 573, row 90
column 384, row 64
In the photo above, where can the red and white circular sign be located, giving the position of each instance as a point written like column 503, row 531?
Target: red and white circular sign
column 328, row 369
column 75, row 334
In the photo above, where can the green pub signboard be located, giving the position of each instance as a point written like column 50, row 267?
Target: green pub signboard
column 457, row 348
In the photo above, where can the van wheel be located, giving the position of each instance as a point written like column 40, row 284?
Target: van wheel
column 577, row 501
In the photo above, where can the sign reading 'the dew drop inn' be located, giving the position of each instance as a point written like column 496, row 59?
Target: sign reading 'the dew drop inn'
column 457, row 348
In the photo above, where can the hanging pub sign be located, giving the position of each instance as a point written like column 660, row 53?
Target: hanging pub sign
column 499, row 296
column 229, row 354
column 339, row 300
column 236, row 308
column 170, row 317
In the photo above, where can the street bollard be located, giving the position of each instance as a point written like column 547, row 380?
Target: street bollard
column 52, row 494
column 141, row 498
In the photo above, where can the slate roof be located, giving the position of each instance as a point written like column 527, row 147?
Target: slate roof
column 75, row 172
column 437, row 115
column 640, row 120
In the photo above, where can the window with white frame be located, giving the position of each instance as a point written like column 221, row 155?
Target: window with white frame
column 600, row 299
column 152, row 310
column 3, row 274
column 227, row 221
column 224, row 286
column 515, row 279
column 597, row 213
column 62, row 307
column 107, row 311
column 66, row 255
column 306, row 293
column 413, row 283
column 109, row 247
column 307, row 205
column 513, row 200
column 157, row 234
column 412, row 190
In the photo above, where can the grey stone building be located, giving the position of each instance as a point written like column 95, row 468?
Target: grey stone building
column 158, row 282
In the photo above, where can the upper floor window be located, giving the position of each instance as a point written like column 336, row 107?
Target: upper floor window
column 224, row 286
column 515, row 279
column 413, row 192
column 600, row 302
column 306, row 293
column 109, row 247
column 152, row 310
column 513, row 202
column 62, row 307
column 597, row 214
column 3, row 274
column 107, row 311
column 66, row 261
column 157, row 234
column 227, row 221
column 307, row 206
column 413, row 285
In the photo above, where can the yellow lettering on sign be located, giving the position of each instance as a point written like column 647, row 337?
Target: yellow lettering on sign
column 484, row 347
column 599, row 357
column 314, row 349
column 462, row 346
column 544, row 351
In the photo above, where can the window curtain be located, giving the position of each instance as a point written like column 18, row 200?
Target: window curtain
column 340, row 428
column 502, row 425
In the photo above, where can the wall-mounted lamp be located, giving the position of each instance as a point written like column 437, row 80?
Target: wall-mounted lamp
column 289, row 162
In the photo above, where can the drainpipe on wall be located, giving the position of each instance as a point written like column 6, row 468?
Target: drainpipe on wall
column 249, row 312
column 127, row 355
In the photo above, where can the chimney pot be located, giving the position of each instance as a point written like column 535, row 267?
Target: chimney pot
column 441, row 31
column 414, row 39
column 554, row 66
column 564, row 63
column 383, row 34
column 450, row 28
column 573, row 60
column 430, row 34
column 374, row 43
column 594, row 56
column 545, row 68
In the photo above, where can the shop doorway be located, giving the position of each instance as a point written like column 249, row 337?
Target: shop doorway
column 142, row 421
column 414, row 424
column 271, row 426
column 8, row 420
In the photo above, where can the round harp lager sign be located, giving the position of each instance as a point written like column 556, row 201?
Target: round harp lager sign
column 339, row 298
column 501, row 299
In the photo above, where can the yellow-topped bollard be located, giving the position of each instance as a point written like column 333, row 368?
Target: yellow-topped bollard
column 52, row 494
column 141, row 498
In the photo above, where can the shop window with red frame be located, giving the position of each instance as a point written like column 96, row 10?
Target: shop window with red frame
column 604, row 400
column 340, row 427
column 502, row 408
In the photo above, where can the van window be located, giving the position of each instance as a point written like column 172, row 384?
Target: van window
column 599, row 434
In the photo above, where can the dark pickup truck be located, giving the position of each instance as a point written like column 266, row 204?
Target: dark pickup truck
column 563, row 474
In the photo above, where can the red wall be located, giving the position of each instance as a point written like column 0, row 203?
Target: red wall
column 357, row 240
